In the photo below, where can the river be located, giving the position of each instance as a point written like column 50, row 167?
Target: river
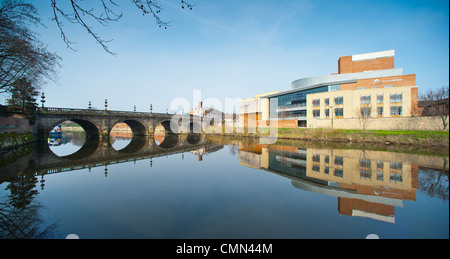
column 196, row 186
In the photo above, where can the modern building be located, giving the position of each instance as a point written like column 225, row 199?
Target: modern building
column 366, row 85
column 253, row 111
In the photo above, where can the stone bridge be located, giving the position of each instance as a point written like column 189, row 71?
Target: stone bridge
column 99, row 123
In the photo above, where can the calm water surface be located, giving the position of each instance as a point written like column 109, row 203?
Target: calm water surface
column 198, row 187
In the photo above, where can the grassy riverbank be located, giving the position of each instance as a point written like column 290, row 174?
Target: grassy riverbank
column 416, row 138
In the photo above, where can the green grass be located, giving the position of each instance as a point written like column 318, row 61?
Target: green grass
column 402, row 132
column 421, row 138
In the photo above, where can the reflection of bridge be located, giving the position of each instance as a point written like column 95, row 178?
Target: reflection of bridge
column 99, row 123
column 96, row 153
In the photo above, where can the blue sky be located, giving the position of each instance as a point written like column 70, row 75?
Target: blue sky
column 237, row 49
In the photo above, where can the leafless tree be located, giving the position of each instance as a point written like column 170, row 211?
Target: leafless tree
column 437, row 104
column 22, row 55
column 363, row 114
column 102, row 12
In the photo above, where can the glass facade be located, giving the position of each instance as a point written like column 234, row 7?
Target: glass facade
column 292, row 105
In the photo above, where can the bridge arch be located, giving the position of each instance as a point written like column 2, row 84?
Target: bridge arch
column 168, row 126
column 137, row 128
column 89, row 147
column 193, row 138
column 169, row 141
column 181, row 124
column 91, row 143
column 91, row 130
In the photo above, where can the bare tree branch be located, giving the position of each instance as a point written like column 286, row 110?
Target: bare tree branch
column 77, row 14
column 436, row 103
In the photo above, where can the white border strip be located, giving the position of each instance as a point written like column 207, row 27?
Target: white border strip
column 373, row 55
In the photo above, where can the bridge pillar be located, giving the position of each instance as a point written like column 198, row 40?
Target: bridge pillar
column 151, row 129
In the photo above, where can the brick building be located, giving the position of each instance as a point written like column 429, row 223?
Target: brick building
column 366, row 86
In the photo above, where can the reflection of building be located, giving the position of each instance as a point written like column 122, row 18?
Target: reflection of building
column 380, row 180
column 366, row 85
column 121, row 130
column 206, row 150
column 367, row 183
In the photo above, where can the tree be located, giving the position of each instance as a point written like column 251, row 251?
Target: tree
column 22, row 55
column 23, row 95
column 363, row 114
column 436, row 103
column 102, row 12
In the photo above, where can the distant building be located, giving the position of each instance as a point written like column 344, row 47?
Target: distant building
column 253, row 110
column 207, row 112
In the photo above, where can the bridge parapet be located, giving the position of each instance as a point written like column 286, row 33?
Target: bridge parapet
column 57, row 110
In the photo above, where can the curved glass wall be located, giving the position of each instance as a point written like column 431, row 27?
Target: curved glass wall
column 292, row 105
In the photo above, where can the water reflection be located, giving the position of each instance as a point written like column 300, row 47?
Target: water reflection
column 201, row 178
column 367, row 183
column 20, row 211
column 66, row 142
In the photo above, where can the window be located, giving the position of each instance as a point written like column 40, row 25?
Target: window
column 339, row 166
column 365, row 99
column 380, row 98
column 396, row 172
column 316, row 102
column 396, row 98
column 339, row 100
column 361, row 88
column 396, row 111
column 316, row 158
column 364, row 163
column 316, row 113
column 380, row 167
column 365, row 112
column 316, row 168
column 339, row 112
column 365, row 166
column 396, row 166
column 339, row 160
column 327, row 102
column 380, row 111
column 338, row 172
column 327, row 113
column 334, row 88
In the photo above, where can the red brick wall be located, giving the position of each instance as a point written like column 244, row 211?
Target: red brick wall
column 346, row 65
column 404, row 80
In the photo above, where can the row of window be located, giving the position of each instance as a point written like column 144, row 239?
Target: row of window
column 365, row 99
column 337, row 101
column 395, row 98
column 338, row 113
column 365, row 166
column 365, row 112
